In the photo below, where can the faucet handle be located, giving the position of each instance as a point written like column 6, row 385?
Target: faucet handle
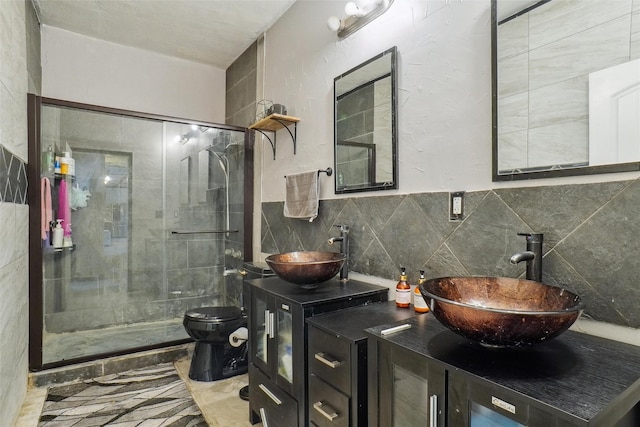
column 344, row 228
column 533, row 237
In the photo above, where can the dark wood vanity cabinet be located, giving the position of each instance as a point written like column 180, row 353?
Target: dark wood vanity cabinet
column 278, row 334
column 337, row 360
column 427, row 375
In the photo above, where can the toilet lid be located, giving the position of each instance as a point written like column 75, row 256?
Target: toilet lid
column 213, row 314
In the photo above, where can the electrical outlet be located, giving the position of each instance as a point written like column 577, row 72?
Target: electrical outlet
column 456, row 206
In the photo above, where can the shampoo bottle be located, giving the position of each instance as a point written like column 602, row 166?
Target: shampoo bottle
column 58, row 234
column 403, row 290
column 419, row 304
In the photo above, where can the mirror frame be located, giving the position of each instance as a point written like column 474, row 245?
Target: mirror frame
column 388, row 185
column 547, row 173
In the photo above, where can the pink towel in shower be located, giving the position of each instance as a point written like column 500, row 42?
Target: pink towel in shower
column 64, row 208
column 46, row 215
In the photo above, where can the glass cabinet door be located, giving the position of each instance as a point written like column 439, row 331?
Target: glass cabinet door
column 411, row 389
column 410, row 398
column 285, row 333
column 261, row 323
column 481, row 416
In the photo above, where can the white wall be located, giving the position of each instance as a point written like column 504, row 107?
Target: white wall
column 83, row 69
column 14, row 274
column 444, row 72
column 444, row 90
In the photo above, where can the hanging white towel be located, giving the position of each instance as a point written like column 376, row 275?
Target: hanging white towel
column 46, row 216
column 302, row 195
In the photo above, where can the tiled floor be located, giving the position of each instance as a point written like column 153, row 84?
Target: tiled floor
column 218, row 402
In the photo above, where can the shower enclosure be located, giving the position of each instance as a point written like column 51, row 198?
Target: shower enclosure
column 159, row 218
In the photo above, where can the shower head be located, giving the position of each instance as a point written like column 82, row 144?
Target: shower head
column 222, row 159
column 233, row 144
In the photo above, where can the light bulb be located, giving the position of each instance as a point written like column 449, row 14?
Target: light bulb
column 352, row 9
column 334, row 23
column 194, row 127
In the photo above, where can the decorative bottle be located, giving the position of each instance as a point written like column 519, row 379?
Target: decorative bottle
column 403, row 290
column 58, row 234
column 419, row 304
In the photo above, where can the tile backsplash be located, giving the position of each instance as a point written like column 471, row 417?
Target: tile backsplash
column 591, row 242
column 13, row 178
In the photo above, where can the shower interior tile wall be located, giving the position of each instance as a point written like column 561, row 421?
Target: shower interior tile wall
column 590, row 238
column 83, row 291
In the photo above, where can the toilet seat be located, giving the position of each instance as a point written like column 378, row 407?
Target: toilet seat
column 213, row 314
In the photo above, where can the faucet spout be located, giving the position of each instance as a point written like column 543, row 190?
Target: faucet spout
column 533, row 256
column 522, row 256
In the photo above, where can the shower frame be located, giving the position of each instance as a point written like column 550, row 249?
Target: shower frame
column 36, row 291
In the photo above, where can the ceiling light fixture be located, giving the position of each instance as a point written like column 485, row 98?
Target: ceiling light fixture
column 357, row 16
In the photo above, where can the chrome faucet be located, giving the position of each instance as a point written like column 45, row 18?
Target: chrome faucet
column 344, row 249
column 533, row 256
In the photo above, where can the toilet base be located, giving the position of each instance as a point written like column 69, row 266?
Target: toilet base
column 211, row 362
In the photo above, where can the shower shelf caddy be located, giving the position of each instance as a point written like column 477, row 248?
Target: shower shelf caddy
column 273, row 123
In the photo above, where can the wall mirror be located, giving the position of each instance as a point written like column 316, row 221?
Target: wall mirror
column 566, row 88
column 365, row 112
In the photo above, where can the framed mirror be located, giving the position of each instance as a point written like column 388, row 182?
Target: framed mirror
column 566, row 87
column 365, row 126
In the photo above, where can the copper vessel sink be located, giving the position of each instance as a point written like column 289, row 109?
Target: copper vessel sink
column 501, row 311
column 305, row 268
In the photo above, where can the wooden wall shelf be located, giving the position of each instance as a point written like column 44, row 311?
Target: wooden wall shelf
column 274, row 122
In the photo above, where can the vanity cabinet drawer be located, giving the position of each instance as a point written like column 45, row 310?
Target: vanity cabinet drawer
column 327, row 406
column 269, row 401
column 330, row 359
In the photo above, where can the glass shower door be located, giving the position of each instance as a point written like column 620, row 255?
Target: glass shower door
column 148, row 207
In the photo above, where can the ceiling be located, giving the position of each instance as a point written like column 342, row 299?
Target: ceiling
column 213, row 32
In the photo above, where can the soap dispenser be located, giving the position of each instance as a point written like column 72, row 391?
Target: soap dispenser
column 419, row 304
column 58, row 234
column 403, row 290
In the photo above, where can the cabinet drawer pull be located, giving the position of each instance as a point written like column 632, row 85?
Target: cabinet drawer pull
column 329, row 414
column 270, row 394
column 330, row 363
column 433, row 411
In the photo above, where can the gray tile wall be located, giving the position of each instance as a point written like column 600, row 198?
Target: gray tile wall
column 19, row 72
column 241, row 81
column 590, row 231
column 241, row 88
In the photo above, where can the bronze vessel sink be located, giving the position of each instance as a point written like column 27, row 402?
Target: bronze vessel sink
column 501, row 311
column 306, row 268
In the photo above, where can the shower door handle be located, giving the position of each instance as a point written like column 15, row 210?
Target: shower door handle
column 204, row 231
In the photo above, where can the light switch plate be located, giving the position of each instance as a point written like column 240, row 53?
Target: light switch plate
column 456, row 206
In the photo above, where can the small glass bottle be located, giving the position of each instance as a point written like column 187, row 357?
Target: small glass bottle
column 403, row 290
column 419, row 304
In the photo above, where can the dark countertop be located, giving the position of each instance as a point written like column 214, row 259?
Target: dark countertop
column 582, row 375
column 331, row 290
column 351, row 323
